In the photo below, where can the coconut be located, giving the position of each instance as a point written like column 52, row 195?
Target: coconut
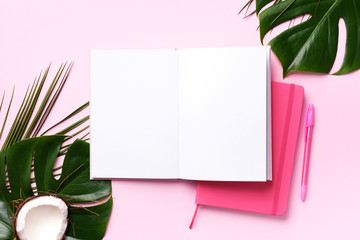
column 43, row 217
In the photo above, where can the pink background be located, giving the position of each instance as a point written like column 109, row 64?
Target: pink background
column 33, row 33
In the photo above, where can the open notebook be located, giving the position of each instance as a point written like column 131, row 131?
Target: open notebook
column 201, row 114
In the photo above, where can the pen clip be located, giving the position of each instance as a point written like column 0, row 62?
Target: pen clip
column 309, row 119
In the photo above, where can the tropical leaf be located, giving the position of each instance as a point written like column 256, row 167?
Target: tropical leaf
column 6, row 231
column 89, row 219
column 30, row 117
column 312, row 45
column 74, row 185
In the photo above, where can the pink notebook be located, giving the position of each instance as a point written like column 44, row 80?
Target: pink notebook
column 265, row 197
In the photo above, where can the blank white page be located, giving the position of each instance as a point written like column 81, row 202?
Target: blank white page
column 223, row 101
column 134, row 114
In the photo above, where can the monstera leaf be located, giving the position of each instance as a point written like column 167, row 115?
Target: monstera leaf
column 312, row 45
column 27, row 169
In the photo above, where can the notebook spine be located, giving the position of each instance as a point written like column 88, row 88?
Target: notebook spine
column 285, row 140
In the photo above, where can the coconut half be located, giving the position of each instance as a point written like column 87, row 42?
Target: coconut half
column 41, row 218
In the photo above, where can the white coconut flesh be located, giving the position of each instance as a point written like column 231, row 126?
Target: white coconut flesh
column 42, row 218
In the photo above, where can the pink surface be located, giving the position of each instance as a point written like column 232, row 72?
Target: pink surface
column 33, row 33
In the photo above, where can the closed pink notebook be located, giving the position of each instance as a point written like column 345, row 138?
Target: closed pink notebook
column 265, row 197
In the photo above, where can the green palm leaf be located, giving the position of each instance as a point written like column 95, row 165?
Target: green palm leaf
column 29, row 119
column 312, row 45
column 86, row 222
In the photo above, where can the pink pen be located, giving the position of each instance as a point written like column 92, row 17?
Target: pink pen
column 308, row 135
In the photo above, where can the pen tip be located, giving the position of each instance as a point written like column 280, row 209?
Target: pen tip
column 303, row 192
